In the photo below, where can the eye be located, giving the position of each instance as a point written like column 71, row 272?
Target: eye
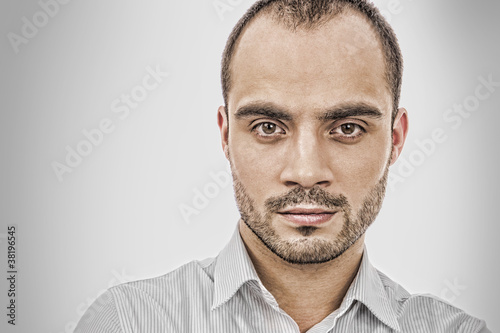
column 348, row 131
column 268, row 129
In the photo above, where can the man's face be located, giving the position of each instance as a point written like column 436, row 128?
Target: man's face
column 309, row 134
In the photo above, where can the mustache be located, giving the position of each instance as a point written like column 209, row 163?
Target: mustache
column 299, row 195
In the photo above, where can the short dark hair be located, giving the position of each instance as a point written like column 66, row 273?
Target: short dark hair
column 309, row 14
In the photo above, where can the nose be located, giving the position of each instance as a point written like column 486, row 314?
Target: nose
column 307, row 163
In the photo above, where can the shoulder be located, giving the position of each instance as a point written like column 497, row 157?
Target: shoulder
column 426, row 312
column 195, row 276
column 150, row 301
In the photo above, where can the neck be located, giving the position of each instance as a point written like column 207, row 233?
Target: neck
column 307, row 293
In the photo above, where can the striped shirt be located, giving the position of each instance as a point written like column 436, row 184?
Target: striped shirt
column 224, row 294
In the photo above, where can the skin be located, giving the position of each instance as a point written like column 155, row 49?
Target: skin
column 299, row 77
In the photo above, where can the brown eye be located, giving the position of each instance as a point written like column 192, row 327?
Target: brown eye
column 348, row 132
column 268, row 128
column 348, row 129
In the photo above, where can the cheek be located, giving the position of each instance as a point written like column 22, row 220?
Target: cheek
column 257, row 167
column 359, row 169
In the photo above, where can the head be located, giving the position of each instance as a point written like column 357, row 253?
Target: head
column 311, row 122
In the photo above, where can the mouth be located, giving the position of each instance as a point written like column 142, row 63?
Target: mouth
column 307, row 216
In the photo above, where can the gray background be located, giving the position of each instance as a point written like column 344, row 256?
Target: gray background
column 117, row 216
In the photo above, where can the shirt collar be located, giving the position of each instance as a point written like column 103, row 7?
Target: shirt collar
column 368, row 289
column 234, row 268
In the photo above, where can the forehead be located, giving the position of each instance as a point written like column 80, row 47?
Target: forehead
column 340, row 61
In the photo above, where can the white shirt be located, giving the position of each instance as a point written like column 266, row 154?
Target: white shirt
column 224, row 294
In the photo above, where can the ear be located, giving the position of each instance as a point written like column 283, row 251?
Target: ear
column 399, row 133
column 222, row 121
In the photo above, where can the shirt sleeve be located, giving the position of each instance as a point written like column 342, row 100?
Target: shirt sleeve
column 484, row 330
column 474, row 325
column 100, row 317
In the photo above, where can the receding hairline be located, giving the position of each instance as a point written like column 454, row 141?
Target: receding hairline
column 269, row 13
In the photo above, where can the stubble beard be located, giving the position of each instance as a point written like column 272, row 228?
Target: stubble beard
column 309, row 250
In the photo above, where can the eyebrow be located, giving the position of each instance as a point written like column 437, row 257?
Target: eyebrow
column 351, row 110
column 263, row 109
column 342, row 111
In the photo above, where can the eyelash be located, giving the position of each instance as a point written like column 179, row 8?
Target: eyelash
column 360, row 129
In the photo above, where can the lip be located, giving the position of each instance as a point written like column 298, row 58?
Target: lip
column 307, row 216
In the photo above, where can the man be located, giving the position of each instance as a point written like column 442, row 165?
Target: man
column 310, row 127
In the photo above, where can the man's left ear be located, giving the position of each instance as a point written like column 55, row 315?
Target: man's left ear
column 400, row 130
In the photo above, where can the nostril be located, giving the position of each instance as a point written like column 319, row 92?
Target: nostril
column 291, row 184
column 304, row 184
column 324, row 183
